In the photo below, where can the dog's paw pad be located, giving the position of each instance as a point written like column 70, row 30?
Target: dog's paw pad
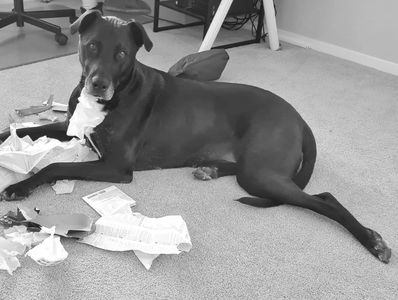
column 379, row 247
column 205, row 173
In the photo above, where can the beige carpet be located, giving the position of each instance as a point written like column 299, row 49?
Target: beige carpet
column 239, row 252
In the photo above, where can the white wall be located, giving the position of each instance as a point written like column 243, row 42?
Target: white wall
column 366, row 26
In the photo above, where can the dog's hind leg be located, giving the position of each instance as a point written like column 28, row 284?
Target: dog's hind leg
column 284, row 190
column 267, row 171
column 212, row 169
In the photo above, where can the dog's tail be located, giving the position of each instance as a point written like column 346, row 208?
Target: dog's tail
column 309, row 156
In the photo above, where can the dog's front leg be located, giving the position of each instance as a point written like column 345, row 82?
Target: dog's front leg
column 93, row 170
column 53, row 130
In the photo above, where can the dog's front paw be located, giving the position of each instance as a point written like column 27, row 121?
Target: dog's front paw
column 14, row 192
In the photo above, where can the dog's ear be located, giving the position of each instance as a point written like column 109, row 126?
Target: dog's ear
column 84, row 21
column 140, row 36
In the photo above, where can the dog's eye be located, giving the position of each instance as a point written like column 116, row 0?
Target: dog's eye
column 92, row 47
column 121, row 55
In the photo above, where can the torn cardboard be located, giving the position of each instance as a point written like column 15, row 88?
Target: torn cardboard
column 23, row 112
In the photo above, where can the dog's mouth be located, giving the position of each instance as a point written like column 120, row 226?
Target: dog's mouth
column 101, row 101
column 102, row 98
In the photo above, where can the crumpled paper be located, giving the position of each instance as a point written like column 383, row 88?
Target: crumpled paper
column 8, row 252
column 22, row 232
column 50, row 252
column 20, row 156
column 87, row 115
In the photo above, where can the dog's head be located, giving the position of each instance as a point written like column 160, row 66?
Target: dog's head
column 107, row 50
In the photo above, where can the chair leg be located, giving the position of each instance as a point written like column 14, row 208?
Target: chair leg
column 42, row 24
column 18, row 8
column 7, row 20
column 260, row 23
column 4, row 14
column 45, row 14
column 156, row 16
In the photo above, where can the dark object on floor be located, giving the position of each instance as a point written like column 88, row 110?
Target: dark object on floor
column 20, row 218
column 204, row 12
column 154, row 120
column 18, row 15
column 127, row 6
column 202, row 66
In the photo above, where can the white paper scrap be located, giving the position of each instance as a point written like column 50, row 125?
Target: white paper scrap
column 110, row 201
column 145, row 258
column 19, row 234
column 60, row 107
column 9, row 177
column 50, row 252
column 152, row 236
column 8, row 252
column 20, row 156
column 64, row 186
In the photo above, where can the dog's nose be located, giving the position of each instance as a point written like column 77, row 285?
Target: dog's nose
column 100, row 84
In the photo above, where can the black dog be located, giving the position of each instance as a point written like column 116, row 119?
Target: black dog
column 155, row 120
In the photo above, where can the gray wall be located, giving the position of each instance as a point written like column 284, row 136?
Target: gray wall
column 366, row 26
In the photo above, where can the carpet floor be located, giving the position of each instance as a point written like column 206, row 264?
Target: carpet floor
column 239, row 252
column 28, row 44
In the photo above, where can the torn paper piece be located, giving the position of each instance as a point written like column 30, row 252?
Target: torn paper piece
column 11, row 247
column 145, row 258
column 21, row 155
column 20, row 125
column 47, row 116
column 26, row 125
column 67, row 186
column 110, row 201
column 27, row 212
column 70, row 151
column 23, row 112
column 154, row 236
column 56, row 106
column 8, row 252
column 65, row 224
column 8, row 262
column 9, row 177
column 87, row 115
column 19, row 234
column 60, row 107
column 64, row 186
column 50, row 252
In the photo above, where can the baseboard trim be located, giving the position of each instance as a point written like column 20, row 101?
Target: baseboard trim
column 344, row 53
